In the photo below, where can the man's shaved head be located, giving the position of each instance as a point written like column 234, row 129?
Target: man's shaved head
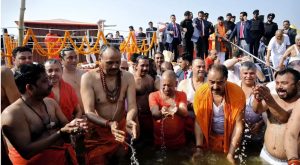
column 169, row 74
column 166, row 66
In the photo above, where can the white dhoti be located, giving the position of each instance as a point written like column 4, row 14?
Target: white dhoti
column 265, row 155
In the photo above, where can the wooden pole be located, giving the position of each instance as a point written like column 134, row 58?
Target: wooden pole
column 21, row 23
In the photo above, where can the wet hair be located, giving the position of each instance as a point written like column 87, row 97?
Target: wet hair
column 134, row 57
column 248, row 65
column 141, row 57
column 63, row 52
column 295, row 73
column 28, row 74
column 20, row 49
column 53, row 61
column 103, row 48
column 220, row 68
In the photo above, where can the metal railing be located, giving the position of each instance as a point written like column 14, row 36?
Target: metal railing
column 269, row 68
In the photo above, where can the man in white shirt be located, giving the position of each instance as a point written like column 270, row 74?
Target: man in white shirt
column 276, row 48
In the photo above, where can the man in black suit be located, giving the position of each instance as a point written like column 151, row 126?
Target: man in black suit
column 229, row 25
column 256, row 31
column 289, row 31
column 211, row 26
column 149, row 33
column 188, row 30
column 201, row 26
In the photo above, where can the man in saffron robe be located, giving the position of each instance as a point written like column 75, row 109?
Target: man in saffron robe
column 62, row 92
column 219, row 110
column 34, row 126
column 169, row 109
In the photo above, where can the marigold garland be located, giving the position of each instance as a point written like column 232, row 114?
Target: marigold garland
column 128, row 46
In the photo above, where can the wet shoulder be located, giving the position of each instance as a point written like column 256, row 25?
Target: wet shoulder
column 81, row 72
column 6, row 74
column 149, row 78
column 51, row 103
column 13, row 111
column 91, row 74
column 127, row 77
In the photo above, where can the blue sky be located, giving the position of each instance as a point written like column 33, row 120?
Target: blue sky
column 139, row 12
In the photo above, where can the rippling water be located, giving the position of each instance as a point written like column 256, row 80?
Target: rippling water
column 152, row 156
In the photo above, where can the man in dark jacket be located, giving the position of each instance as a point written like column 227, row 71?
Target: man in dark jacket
column 188, row 30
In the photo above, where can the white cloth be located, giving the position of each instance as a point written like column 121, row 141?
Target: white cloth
column 218, row 118
column 270, row 159
column 296, row 57
column 190, row 91
column 272, row 86
column 221, row 56
column 234, row 75
column 277, row 50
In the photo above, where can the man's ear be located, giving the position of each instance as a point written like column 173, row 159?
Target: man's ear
column 29, row 88
column 13, row 60
column 134, row 66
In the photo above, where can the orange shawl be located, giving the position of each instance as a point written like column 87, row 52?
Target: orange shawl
column 203, row 104
column 222, row 33
column 100, row 143
column 68, row 99
column 60, row 155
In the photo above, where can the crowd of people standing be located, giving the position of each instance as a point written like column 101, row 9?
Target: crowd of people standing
column 56, row 112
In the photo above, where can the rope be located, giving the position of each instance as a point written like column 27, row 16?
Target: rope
column 249, row 54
